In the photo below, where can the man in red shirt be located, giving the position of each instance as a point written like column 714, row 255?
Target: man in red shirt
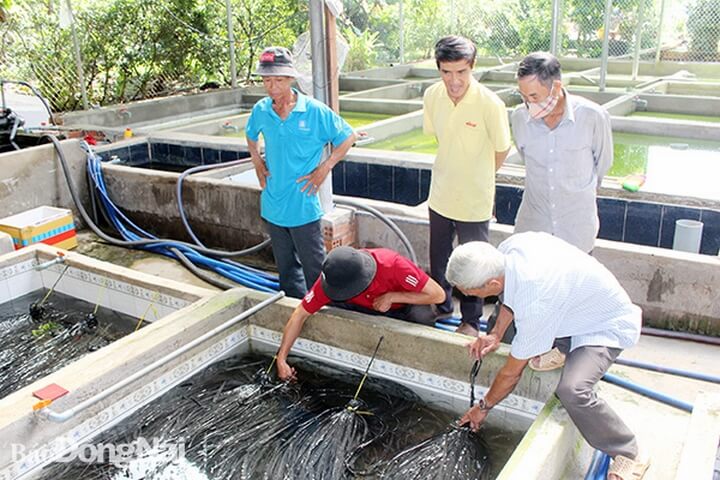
column 375, row 280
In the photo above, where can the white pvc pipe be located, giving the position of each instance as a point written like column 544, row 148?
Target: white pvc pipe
column 688, row 235
column 68, row 414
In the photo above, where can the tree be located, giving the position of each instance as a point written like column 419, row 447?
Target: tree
column 133, row 49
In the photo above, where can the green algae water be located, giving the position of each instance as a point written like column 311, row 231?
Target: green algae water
column 636, row 154
column 355, row 119
column 671, row 165
column 239, row 134
column 359, row 119
column 414, row 141
column 677, row 116
column 655, row 156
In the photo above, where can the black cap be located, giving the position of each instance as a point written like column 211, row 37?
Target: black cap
column 276, row 62
column 347, row 272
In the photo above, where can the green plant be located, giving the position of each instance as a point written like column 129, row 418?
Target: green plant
column 44, row 329
column 363, row 50
column 4, row 7
column 703, row 26
column 424, row 25
column 134, row 49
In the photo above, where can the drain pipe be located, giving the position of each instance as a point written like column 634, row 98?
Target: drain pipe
column 46, row 412
column 60, row 258
column 648, row 392
column 668, row 370
column 691, row 337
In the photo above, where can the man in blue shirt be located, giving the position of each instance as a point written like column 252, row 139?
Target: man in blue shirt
column 295, row 130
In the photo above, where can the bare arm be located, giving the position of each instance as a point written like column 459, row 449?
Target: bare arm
column 431, row 293
column 500, row 158
column 258, row 162
column 490, row 342
column 317, row 176
column 504, row 383
column 291, row 332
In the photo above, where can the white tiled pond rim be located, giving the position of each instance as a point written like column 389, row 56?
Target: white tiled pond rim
column 514, row 412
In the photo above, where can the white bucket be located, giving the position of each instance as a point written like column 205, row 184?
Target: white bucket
column 688, row 235
column 6, row 243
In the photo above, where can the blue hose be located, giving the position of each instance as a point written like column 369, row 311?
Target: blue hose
column 598, row 466
column 653, row 394
column 669, row 370
column 451, row 324
column 245, row 276
column 603, row 468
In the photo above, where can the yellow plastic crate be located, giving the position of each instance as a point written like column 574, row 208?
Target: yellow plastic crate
column 50, row 225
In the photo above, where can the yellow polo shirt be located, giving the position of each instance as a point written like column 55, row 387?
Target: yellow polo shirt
column 469, row 133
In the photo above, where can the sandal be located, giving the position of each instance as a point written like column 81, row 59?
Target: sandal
column 627, row 469
column 548, row 361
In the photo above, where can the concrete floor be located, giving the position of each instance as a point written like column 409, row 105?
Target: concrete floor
column 660, row 429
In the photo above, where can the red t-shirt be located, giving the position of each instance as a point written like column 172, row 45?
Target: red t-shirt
column 395, row 273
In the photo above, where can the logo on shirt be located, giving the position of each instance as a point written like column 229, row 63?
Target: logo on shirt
column 309, row 296
column 412, row 281
column 471, row 124
column 302, row 125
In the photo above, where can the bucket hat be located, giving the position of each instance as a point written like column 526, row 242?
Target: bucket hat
column 347, row 272
column 276, row 61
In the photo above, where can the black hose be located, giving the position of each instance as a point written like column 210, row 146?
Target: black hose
column 181, row 209
column 383, row 218
column 473, row 375
column 35, row 91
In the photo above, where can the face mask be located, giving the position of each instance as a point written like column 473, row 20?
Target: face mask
column 542, row 109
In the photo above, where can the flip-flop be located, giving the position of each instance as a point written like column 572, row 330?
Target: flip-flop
column 547, row 361
column 628, row 469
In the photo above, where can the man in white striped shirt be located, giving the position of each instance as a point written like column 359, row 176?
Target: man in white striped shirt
column 553, row 290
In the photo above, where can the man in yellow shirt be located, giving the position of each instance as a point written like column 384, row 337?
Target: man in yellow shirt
column 471, row 125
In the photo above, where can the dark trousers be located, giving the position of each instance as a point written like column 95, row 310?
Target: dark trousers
column 420, row 314
column 299, row 253
column 442, row 233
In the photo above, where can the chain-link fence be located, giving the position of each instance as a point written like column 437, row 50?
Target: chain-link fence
column 390, row 31
column 134, row 49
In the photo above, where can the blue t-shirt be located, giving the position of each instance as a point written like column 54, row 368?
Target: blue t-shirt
column 293, row 148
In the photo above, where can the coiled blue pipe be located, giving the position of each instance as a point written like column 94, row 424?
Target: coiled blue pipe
column 241, row 274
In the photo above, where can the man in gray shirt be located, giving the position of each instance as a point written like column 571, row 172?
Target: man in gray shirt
column 566, row 144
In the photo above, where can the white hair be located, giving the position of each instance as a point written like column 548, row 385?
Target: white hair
column 472, row 264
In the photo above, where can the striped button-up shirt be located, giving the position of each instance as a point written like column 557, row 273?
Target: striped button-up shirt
column 555, row 290
column 563, row 169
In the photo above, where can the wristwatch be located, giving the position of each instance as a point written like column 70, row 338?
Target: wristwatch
column 483, row 405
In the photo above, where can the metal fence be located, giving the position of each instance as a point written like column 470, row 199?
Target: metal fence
column 663, row 30
column 126, row 50
column 107, row 52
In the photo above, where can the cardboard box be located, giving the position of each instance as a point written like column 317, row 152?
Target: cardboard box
column 50, row 225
